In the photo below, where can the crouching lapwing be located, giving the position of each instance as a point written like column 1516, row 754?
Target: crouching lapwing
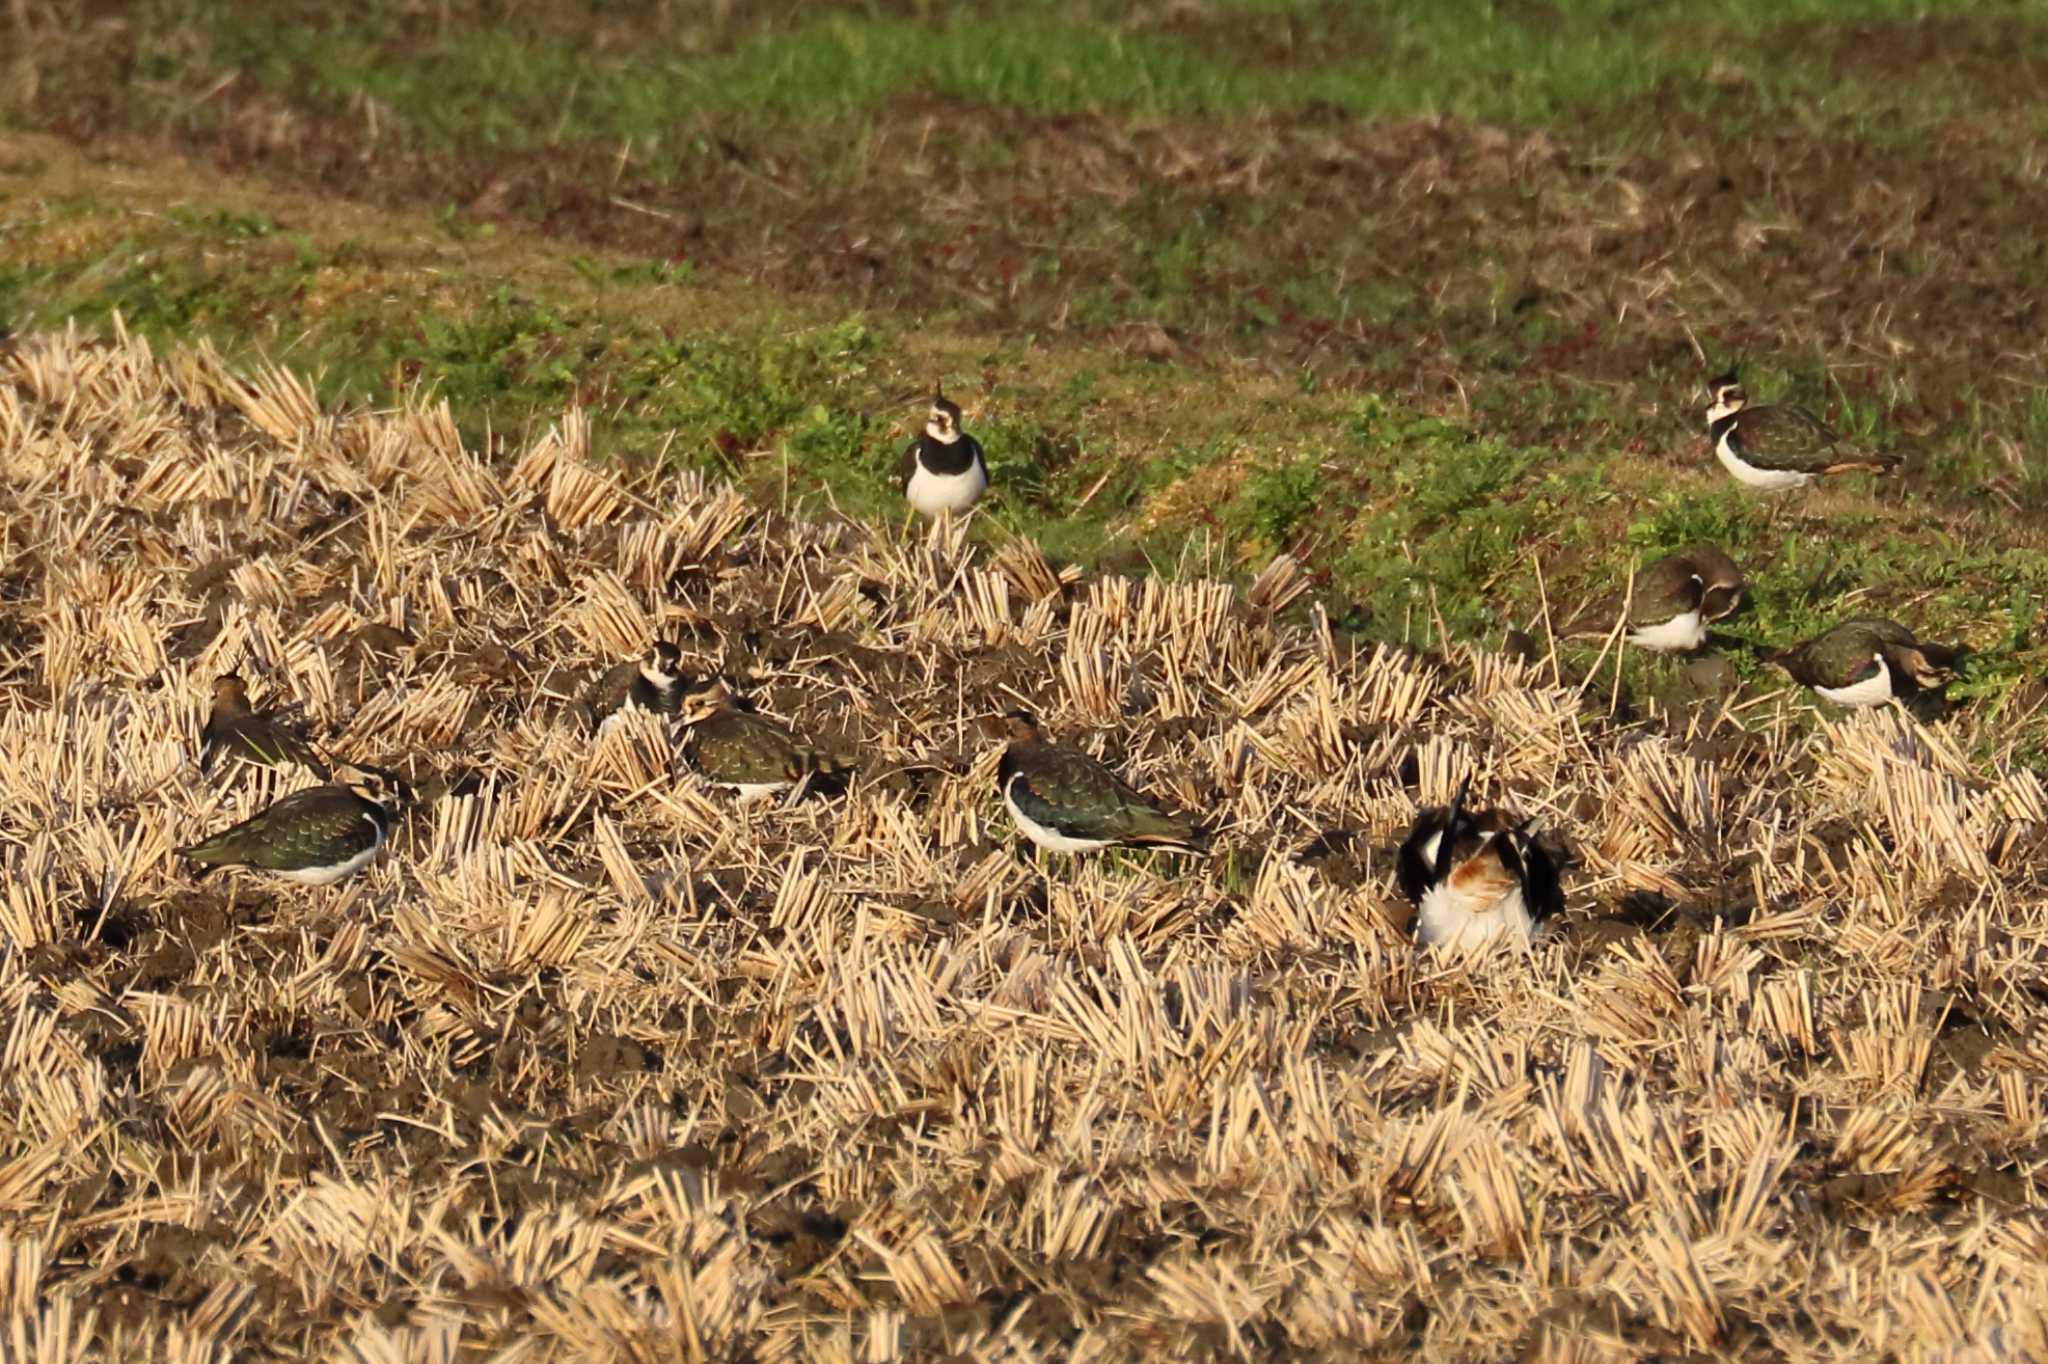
column 314, row 837
column 654, row 683
column 1866, row 662
column 1476, row 879
column 1065, row 801
column 1673, row 600
column 240, row 733
column 743, row 751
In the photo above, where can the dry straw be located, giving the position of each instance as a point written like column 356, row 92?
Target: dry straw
column 593, row 1064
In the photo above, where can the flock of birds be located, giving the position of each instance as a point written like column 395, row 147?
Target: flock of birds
column 1476, row 877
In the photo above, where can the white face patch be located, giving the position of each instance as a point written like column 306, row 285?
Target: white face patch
column 1726, row 401
column 756, row 790
column 655, row 676
column 941, row 429
column 1869, row 692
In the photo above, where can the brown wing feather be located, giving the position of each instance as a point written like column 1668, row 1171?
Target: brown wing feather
column 1794, row 440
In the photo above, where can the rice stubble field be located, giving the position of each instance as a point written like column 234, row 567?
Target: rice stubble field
column 422, row 362
column 593, row 1063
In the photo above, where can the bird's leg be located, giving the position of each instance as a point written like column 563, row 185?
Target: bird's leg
column 1779, row 519
column 1666, row 670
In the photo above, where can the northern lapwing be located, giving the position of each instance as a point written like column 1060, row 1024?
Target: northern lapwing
column 1866, row 662
column 942, row 469
column 314, row 837
column 237, row 731
column 1777, row 447
column 1067, row 802
column 1476, row 879
column 654, row 684
column 1674, row 599
column 744, row 751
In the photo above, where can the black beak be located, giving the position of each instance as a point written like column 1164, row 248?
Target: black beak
column 1452, row 814
column 1509, row 851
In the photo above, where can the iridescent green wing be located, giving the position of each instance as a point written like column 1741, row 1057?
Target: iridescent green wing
column 745, row 749
column 1070, row 792
column 1788, row 440
column 317, row 827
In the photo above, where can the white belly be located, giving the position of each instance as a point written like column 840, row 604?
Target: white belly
column 1869, row 692
column 756, row 790
column 327, row 876
column 934, row 493
column 1679, row 635
column 1770, row 480
column 1052, row 840
column 1451, row 921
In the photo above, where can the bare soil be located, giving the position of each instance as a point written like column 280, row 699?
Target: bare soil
column 1432, row 259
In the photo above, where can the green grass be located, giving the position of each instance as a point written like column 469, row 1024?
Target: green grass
column 793, row 406
column 1410, row 516
column 697, row 136
column 477, row 81
column 1447, row 511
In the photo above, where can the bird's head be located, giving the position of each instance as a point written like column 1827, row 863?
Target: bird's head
column 1016, row 726
column 942, row 423
column 1491, row 872
column 1721, row 582
column 1725, row 396
column 706, row 699
column 374, row 784
column 1924, row 671
column 664, row 663
column 230, row 690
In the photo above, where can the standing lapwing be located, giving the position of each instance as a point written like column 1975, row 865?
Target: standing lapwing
column 744, row 751
column 314, row 837
column 942, row 469
column 1067, row 802
column 1674, row 599
column 1778, row 447
column 654, row 684
column 1476, row 879
column 238, row 732
column 1866, row 662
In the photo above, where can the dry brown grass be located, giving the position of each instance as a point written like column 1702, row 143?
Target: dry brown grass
column 595, row 1065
